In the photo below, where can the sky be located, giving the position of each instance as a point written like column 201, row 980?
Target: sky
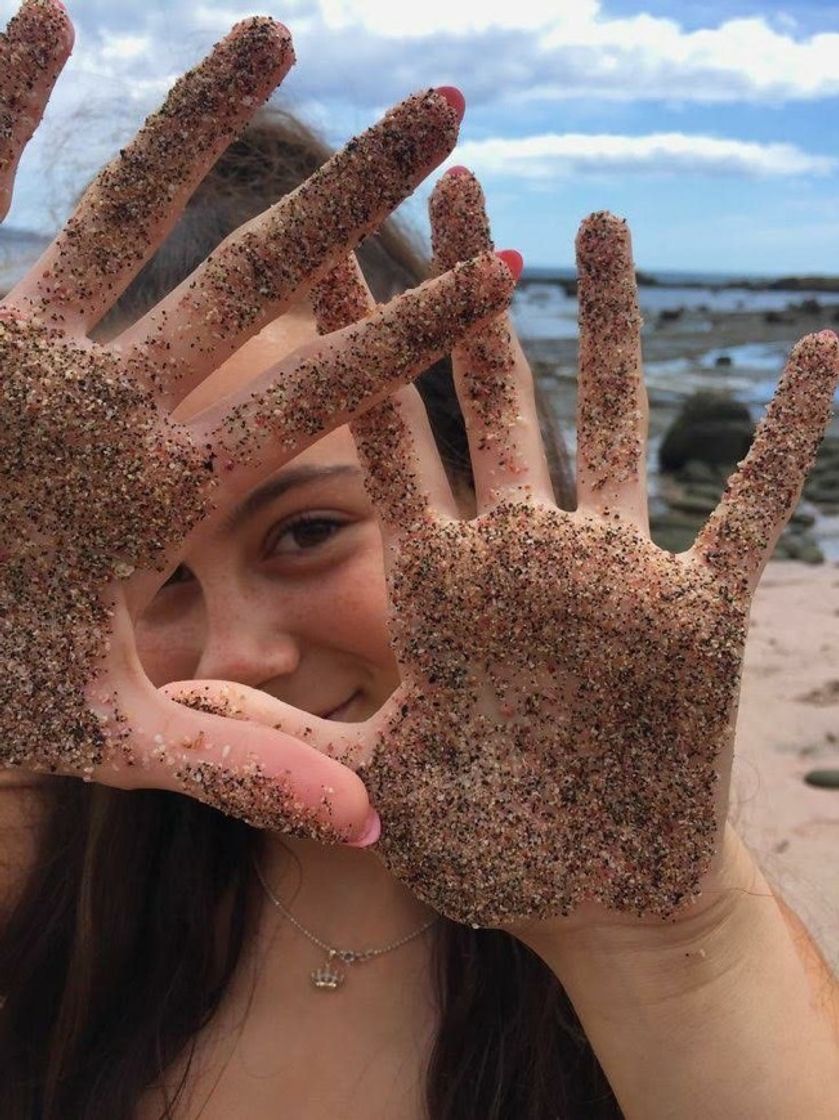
column 713, row 128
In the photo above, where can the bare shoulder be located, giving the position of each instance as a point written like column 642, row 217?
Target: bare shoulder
column 824, row 982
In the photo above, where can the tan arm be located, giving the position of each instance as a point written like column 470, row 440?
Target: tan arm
column 733, row 1015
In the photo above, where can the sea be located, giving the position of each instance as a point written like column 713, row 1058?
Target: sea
column 543, row 312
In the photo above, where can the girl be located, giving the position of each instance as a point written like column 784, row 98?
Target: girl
column 171, row 967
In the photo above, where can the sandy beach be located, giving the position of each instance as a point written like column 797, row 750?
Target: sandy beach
column 789, row 725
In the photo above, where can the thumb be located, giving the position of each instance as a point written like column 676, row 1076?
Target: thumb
column 255, row 758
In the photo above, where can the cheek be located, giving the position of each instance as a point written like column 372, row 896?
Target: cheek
column 349, row 609
column 169, row 651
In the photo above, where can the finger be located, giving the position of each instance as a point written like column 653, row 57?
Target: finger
column 204, row 747
column 33, row 50
column 493, row 380
column 344, row 742
column 253, row 276
column 761, row 495
column 134, row 201
column 328, row 382
column 401, row 421
column 612, row 410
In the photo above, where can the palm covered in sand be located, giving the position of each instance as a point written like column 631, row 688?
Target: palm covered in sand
column 100, row 487
column 563, row 732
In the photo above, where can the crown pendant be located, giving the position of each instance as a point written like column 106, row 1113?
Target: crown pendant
column 328, row 978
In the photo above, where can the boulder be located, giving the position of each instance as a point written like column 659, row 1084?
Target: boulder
column 712, row 427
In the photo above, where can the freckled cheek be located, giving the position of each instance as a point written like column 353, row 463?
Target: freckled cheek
column 351, row 612
column 168, row 651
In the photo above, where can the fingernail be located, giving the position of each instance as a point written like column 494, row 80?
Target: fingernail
column 458, row 171
column 513, row 260
column 455, row 98
column 372, row 832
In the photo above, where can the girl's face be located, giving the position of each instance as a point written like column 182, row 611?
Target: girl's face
column 287, row 594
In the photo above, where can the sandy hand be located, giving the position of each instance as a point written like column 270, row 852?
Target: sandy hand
column 100, row 488
column 562, row 739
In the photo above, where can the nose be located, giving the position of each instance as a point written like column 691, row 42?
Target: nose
column 247, row 640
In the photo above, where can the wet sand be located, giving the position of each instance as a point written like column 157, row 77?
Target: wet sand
column 789, row 725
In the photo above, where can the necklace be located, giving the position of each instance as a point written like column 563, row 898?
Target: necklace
column 329, row 977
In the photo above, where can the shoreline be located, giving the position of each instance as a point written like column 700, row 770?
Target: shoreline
column 565, row 278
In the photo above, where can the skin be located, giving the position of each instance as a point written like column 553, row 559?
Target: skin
column 81, row 419
column 697, row 975
column 418, row 530
column 266, row 605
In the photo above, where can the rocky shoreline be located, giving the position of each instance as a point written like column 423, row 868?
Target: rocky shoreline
column 697, row 435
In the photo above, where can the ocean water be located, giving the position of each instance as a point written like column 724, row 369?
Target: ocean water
column 544, row 313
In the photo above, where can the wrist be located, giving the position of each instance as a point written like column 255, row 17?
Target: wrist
column 719, row 993
column 705, row 939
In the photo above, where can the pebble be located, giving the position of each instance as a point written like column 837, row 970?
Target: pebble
column 823, row 779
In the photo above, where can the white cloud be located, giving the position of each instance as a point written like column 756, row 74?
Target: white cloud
column 121, row 47
column 383, row 17
column 551, row 154
column 529, row 49
column 370, row 52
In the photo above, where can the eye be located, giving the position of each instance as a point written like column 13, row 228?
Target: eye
column 302, row 533
column 181, row 574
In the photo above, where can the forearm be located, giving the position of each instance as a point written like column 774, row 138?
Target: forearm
column 726, row 1017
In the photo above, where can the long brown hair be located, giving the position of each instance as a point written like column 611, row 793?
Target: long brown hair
column 105, row 963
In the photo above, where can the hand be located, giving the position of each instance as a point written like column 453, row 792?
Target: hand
column 561, row 743
column 569, row 700
column 100, row 488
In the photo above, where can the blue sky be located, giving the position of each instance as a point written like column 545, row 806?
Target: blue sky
column 713, row 128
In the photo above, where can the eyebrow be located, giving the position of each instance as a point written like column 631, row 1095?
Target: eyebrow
column 275, row 487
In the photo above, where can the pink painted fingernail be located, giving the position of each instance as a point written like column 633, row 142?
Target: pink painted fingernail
column 458, row 170
column 372, row 832
column 455, row 98
column 513, row 260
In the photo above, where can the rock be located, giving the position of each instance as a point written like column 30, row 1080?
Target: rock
column 810, row 553
column 777, row 317
column 710, row 490
column 712, row 428
column 697, row 471
column 723, row 360
column 804, row 520
column 801, row 546
column 677, row 519
column 823, row 779
column 809, row 306
column 822, row 494
column 694, row 503
column 670, row 315
column 674, row 538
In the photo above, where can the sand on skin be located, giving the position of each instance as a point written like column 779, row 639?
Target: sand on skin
column 792, row 828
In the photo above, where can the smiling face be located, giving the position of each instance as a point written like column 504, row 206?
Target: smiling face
column 287, row 594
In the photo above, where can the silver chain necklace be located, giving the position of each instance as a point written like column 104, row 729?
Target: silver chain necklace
column 329, row 977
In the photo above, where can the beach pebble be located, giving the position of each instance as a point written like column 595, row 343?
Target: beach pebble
column 823, row 779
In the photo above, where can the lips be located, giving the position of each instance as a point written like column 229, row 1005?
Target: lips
column 340, row 711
